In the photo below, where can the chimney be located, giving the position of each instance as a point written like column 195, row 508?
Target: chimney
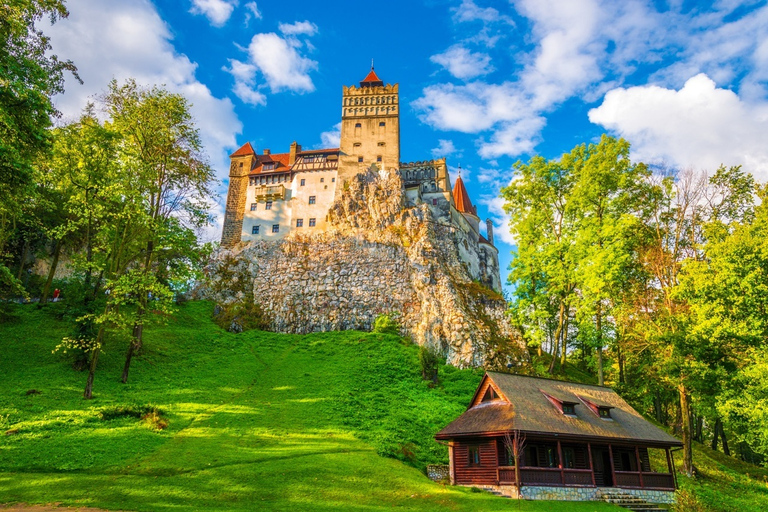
column 295, row 149
column 489, row 230
column 267, row 152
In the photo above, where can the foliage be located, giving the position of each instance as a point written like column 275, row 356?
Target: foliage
column 429, row 361
column 386, row 324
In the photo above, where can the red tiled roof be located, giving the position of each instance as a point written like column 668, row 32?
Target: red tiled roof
column 313, row 151
column 281, row 159
column 246, row 149
column 461, row 198
column 372, row 77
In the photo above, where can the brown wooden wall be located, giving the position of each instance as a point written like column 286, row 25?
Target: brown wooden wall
column 485, row 473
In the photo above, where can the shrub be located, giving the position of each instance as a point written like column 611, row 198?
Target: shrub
column 240, row 316
column 429, row 360
column 386, row 324
column 128, row 411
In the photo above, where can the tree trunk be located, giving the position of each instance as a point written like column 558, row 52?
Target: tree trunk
column 51, row 272
column 599, row 325
column 716, row 433
column 88, row 393
column 699, row 429
column 725, row 440
column 685, row 413
column 620, row 358
column 657, row 408
column 558, row 334
column 23, row 262
column 138, row 326
column 565, row 338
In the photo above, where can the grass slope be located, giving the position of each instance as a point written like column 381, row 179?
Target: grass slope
column 329, row 421
column 256, row 420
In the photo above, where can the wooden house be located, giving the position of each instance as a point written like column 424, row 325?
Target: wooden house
column 526, row 431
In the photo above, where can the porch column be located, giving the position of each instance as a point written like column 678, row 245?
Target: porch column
column 613, row 467
column 591, row 464
column 670, row 467
column 451, row 464
column 639, row 466
column 560, row 460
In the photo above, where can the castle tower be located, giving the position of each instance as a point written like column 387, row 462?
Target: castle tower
column 241, row 162
column 370, row 127
column 464, row 205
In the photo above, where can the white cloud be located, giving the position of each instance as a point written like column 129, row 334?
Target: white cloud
column 279, row 61
column 253, row 11
column 306, row 28
column 445, row 148
column 700, row 126
column 463, row 63
column 331, row 138
column 217, row 11
column 470, row 11
column 495, row 206
column 245, row 78
column 127, row 38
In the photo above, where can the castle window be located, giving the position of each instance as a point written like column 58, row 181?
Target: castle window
column 311, row 223
column 382, row 123
column 253, row 207
column 333, row 180
column 299, row 223
column 434, row 202
column 241, row 164
column 255, row 230
column 322, row 180
column 303, row 182
column 359, row 159
column 356, row 145
column 275, row 228
column 311, row 199
column 358, row 125
column 378, row 158
column 358, row 129
column 382, row 143
column 268, row 206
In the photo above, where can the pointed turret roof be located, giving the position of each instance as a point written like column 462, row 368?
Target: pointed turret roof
column 245, row 150
column 461, row 197
column 372, row 80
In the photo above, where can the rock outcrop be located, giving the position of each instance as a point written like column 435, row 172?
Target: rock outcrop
column 378, row 257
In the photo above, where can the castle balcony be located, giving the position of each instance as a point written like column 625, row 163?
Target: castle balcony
column 269, row 192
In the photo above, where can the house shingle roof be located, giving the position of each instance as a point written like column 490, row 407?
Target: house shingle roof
column 525, row 407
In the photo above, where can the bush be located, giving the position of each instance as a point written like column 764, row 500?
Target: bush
column 386, row 324
column 128, row 411
column 429, row 360
column 240, row 316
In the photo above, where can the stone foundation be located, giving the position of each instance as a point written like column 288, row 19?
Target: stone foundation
column 540, row 492
column 438, row 472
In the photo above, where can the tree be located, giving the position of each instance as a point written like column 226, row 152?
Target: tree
column 160, row 146
column 29, row 77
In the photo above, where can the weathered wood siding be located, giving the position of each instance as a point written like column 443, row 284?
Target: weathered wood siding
column 483, row 474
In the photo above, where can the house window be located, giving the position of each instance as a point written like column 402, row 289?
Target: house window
column 268, row 206
column 299, row 223
column 489, row 395
column 604, row 412
column 253, row 207
column 311, row 199
column 311, row 223
column 532, row 458
column 568, row 458
column 275, row 228
column 359, row 159
column 303, row 182
column 569, row 410
column 509, row 458
column 473, row 456
column 269, row 166
column 551, row 457
column 255, row 230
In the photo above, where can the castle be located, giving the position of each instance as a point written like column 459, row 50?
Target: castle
column 274, row 194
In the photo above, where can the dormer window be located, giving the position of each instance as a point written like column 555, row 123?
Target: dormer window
column 490, row 395
column 602, row 411
column 268, row 166
column 564, row 406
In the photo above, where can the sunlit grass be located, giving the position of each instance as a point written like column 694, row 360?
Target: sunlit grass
column 327, row 421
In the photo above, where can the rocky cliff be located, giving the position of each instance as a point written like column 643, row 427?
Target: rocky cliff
column 378, row 257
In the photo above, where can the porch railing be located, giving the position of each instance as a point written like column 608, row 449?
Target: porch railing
column 582, row 477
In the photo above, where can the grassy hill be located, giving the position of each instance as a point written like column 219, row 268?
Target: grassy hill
column 329, row 421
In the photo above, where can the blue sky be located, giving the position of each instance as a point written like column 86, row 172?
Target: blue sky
column 483, row 83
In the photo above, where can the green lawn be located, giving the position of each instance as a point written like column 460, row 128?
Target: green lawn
column 329, row 421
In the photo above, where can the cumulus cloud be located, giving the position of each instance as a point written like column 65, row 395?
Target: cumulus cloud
column 331, row 138
column 245, row 80
column 463, row 63
column 700, row 125
column 499, row 218
column 306, row 28
column 123, row 39
column 585, row 48
column 445, row 148
column 217, row 11
column 280, row 62
column 253, row 12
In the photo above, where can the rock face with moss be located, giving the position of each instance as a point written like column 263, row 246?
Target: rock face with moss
column 379, row 257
